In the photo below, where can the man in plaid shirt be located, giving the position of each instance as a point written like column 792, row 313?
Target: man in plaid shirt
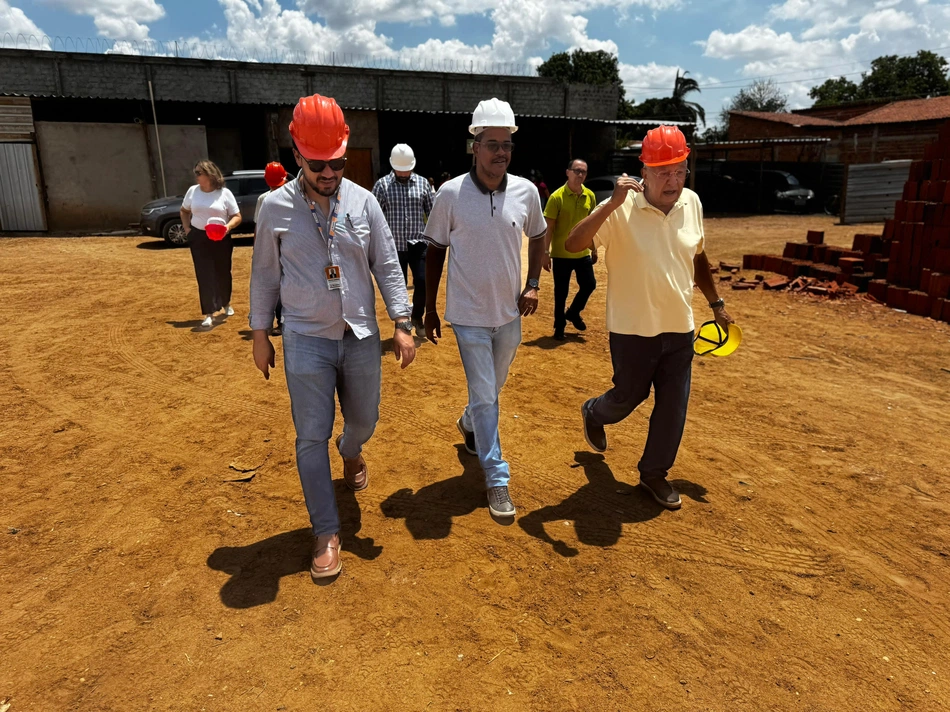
column 406, row 200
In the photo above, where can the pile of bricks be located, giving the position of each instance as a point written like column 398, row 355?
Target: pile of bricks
column 908, row 267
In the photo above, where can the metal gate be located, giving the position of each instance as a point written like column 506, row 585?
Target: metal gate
column 20, row 206
column 872, row 190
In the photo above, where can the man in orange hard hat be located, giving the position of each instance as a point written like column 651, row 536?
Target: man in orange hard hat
column 654, row 247
column 321, row 241
column 275, row 176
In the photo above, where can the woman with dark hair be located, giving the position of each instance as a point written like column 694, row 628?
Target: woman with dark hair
column 208, row 201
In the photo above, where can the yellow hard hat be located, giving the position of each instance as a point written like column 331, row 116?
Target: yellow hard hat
column 713, row 339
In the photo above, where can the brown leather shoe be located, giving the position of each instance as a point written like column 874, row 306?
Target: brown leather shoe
column 326, row 557
column 354, row 470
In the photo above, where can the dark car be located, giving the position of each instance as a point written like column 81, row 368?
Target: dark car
column 161, row 218
column 782, row 191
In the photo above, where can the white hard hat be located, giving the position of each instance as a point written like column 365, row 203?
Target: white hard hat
column 492, row 114
column 402, row 158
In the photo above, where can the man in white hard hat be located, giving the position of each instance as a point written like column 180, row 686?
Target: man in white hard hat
column 406, row 200
column 481, row 218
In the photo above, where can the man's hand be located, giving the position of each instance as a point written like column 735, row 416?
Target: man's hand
column 433, row 326
column 624, row 185
column 722, row 318
column 263, row 353
column 528, row 304
column 546, row 262
column 593, row 256
column 404, row 347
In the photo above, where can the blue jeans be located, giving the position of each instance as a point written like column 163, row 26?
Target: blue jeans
column 664, row 362
column 487, row 353
column 315, row 369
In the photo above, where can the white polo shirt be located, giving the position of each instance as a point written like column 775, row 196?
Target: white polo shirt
column 649, row 258
column 484, row 230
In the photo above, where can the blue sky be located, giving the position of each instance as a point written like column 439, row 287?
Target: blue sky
column 723, row 44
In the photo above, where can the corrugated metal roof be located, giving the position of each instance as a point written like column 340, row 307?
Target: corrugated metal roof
column 763, row 142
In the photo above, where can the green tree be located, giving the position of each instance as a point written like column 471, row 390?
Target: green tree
column 674, row 107
column 761, row 95
column 891, row 77
column 582, row 67
column 834, row 91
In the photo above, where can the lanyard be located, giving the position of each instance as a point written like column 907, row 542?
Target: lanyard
column 333, row 216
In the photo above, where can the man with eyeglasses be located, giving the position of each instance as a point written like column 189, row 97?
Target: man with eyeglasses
column 481, row 218
column 321, row 241
column 654, row 247
column 566, row 207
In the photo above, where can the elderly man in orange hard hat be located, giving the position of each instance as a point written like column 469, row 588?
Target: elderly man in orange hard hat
column 652, row 236
column 321, row 241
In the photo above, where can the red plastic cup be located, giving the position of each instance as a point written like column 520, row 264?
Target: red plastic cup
column 216, row 229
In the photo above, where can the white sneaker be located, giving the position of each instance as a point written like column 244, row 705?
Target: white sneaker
column 229, row 310
column 207, row 323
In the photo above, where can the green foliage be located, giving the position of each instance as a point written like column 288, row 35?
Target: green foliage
column 674, row 107
column 891, row 77
column 758, row 96
column 582, row 67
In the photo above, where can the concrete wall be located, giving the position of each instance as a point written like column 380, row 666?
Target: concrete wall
column 61, row 74
column 96, row 175
column 182, row 147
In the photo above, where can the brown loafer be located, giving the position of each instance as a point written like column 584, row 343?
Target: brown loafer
column 354, row 470
column 326, row 557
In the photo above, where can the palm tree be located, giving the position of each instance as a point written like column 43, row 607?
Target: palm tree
column 682, row 86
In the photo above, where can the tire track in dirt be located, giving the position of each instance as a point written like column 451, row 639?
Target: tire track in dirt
column 156, row 378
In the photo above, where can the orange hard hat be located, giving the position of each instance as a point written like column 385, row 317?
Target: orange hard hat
column 318, row 128
column 274, row 175
column 663, row 146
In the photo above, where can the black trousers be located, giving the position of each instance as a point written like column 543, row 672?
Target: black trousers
column 414, row 258
column 562, row 268
column 664, row 362
column 212, row 268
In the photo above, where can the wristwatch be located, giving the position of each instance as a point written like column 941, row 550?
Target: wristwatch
column 718, row 303
column 405, row 326
column 533, row 284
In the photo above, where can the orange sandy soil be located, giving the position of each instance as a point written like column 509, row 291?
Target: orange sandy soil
column 807, row 570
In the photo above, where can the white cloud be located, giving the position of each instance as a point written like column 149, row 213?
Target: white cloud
column 889, row 20
column 117, row 19
column 13, row 21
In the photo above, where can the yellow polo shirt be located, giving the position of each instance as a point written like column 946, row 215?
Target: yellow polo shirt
column 649, row 258
column 567, row 208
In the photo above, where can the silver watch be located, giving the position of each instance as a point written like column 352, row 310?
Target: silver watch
column 405, row 326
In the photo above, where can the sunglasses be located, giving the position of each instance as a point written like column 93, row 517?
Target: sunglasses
column 336, row 164
column 578, row 171
column 495, row 146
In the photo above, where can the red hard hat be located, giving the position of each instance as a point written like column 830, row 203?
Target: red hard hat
column 274, row 175
column 663, row 146
column 318, row 128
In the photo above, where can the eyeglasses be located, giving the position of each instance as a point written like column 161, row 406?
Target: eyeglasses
column 495, row 146
column 680, row 174
column 578, row 171
column 336, row 164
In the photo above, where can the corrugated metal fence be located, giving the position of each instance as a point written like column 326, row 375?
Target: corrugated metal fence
column 21, row 206
column 872, row 190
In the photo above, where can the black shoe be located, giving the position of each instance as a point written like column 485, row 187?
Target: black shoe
column 663, row 492
column 576, row 320
column 594, row 434
column 559, row 335
column 468, row 436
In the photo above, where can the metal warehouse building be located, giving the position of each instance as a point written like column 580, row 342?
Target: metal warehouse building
column 87, row 139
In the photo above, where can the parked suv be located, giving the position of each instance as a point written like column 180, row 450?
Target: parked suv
column 161, row 218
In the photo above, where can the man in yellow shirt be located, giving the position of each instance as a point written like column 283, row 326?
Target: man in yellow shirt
column 654, row 247
column 566, row 207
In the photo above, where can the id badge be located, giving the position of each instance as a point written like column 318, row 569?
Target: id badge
column 333, row 275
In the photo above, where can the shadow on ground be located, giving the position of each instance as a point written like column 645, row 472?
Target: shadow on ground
column 256, row 569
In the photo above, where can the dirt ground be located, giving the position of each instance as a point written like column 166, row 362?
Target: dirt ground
column 809, row 568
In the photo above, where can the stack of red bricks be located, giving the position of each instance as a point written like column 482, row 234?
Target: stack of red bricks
column 908, row 267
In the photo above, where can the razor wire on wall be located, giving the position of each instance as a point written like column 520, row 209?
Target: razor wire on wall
column 228, row 52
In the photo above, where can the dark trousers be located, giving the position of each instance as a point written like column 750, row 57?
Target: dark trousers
column 212, row 268
column 664, row 362
column 414, row 258
column 563, row 268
